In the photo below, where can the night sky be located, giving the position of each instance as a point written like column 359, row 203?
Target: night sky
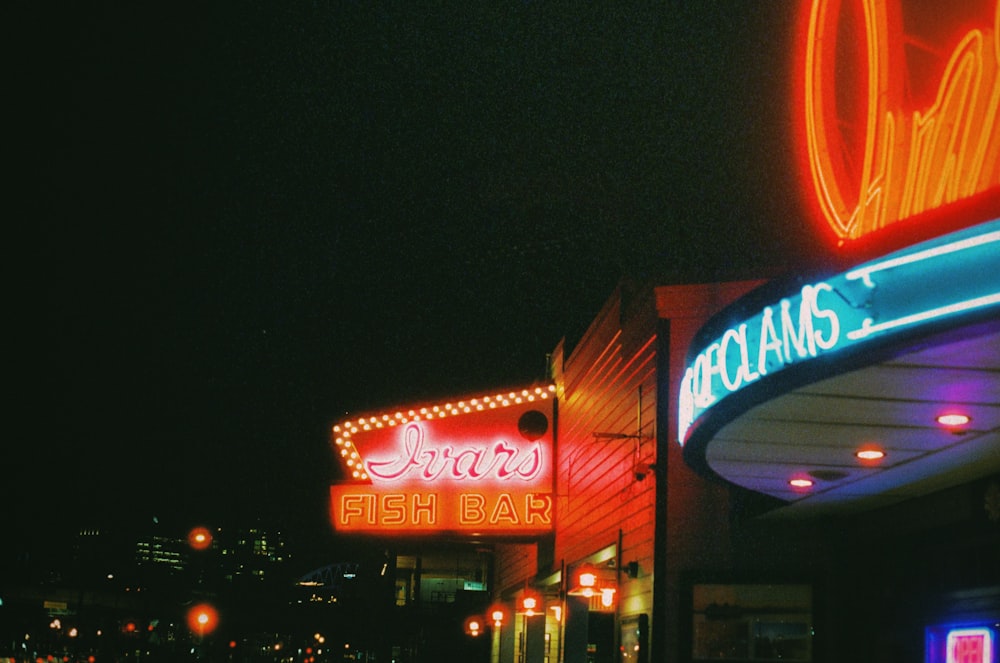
column 245, row 220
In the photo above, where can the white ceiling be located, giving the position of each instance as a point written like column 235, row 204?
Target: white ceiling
column 815, row 430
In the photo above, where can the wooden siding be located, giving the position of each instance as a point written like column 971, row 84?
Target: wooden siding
column 601, row 500
column 597, row 492
column 515, row 563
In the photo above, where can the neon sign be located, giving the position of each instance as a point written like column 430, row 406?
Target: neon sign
column 973, row 642
column 478, row 467
column 970, row 645
column 906, row 122
column 499, row 461
column 926, row 284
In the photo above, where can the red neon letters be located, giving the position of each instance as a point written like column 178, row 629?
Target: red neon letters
column 907, row 120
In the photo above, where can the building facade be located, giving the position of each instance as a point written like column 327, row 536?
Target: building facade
column 804, row 468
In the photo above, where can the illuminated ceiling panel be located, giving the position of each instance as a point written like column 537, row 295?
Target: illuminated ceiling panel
column 815, row 430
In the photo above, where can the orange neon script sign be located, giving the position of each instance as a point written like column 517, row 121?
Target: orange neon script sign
column 900, row 108
column 481, row 466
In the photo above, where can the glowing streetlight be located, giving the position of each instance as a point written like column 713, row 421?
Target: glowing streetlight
column 202, row 619
column 199, row 538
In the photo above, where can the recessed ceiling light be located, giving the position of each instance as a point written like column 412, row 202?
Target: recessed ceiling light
column 801, row 483
column 954, row 419
column 870, row 454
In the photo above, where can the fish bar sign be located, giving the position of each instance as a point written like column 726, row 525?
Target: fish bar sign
column 479, row 466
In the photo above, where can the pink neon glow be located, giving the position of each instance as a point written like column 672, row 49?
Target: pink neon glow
column 970, row 645
column 472, row 462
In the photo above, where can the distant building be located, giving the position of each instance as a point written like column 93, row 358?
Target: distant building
column 255, row 553
column 168, row 553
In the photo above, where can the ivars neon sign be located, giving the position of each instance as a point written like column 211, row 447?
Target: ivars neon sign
column 922, row 287
column 900, row 108
column 481, row 466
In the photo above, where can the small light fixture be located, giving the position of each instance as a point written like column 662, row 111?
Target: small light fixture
column 954, row 420
column 586, row 581
column 869, row 454
column 801, row 483
column 530, row 605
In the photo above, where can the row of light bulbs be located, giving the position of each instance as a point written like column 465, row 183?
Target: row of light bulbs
column 343, row 432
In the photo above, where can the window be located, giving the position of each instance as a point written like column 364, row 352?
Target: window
column 752, row 623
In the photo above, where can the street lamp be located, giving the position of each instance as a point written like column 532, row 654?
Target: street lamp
column 202, row 619
column 497, row 613
column 530, row 604
column 590, row 581
column 200, row 538
column 474, row 625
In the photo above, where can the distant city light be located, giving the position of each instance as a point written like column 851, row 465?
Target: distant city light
column 202, row 618
column 200, row 538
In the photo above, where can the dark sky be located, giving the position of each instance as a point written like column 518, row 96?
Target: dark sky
column 248, row 219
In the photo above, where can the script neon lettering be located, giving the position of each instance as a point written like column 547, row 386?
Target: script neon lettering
column 499, row 460
column 911, row 159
